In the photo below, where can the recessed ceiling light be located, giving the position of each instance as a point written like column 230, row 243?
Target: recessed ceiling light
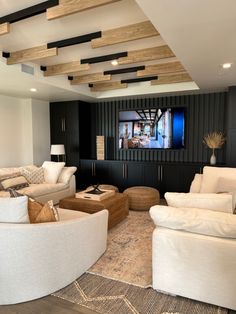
column 226, row 65
column 114, row 62
column 33, row 90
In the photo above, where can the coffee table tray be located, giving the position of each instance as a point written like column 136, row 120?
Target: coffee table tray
column 95, row 197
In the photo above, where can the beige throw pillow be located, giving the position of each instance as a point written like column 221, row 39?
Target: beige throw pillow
column 66, row 174
column 16, row 183
column 52, row 171
column 35, row 176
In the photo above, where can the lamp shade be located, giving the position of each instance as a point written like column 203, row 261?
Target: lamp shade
column 58, row 149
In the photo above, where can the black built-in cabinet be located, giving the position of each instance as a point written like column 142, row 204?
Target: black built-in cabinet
column 76, row 124
column 172, row 177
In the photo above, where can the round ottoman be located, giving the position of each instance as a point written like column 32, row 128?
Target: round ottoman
column 142, row 197
column 106, row 187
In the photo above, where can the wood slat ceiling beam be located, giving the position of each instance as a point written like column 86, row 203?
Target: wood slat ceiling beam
column 147, row 54
column 65, row 68
column 4, row 28
column 67, row 7
column 172, row 78
column 108, row 86
column 170, row 67
column 31, row 54
column 90, row 78
column 126, row 33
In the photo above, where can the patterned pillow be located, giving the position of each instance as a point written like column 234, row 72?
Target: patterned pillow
column 16, row 183
column 34, row 176
column 7, row 176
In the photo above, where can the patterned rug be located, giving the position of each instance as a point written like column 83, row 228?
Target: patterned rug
column 110, row 296
column 128, row 256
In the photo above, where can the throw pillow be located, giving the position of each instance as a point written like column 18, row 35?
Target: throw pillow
column 225, row 185
column 34, row 176
column 39, row 213
column 211, row 201
column 52, row 170
column 211, row 176
column 14, row 210
column 196, row 184
column 66, row 174
column 16, row 183
column 7, row 176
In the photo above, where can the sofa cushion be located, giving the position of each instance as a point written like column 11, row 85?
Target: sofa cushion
column 211, row 201
column 35, row 176
column 196, row 184
column 14, row 210
column 52, row 171
column 195, row 220
column 211, row 176
column 66, row 174
column 35, row 190
column 16, row 183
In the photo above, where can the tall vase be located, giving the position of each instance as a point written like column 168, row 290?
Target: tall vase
column 213, row 158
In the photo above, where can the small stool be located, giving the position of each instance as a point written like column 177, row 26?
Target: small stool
column 106, row 187
column 142, row 197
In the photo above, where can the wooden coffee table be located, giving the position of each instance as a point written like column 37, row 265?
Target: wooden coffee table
column 117, row 205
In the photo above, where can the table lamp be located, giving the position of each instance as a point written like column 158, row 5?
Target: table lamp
column 58, row 149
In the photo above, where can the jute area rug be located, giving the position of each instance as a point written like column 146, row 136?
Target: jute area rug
column 107, row 296
column 116, row 283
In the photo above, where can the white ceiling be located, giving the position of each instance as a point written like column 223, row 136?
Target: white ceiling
column 200, row 33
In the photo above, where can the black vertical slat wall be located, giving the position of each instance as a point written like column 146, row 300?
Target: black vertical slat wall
column 204, row 113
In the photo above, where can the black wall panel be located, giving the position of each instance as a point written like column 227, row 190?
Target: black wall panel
column 204, row 113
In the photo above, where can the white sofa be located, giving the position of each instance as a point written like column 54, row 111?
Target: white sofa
column 39, row 259
column 194, row 249
column 45, row 191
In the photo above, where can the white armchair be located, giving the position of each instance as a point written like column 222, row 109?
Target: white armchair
column 194, row 249
column 38, row 259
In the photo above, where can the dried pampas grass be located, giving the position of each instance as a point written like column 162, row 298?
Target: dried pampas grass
column 214, row 140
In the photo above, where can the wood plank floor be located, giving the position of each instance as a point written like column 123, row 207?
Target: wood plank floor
column 47, row 305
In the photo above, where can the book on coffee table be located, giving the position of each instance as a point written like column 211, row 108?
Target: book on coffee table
column 92, row 194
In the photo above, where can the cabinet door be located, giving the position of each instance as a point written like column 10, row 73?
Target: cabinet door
column 178, row 178
column 152, row 175
column 72, row 133
column 57, row 123
column 85, row 174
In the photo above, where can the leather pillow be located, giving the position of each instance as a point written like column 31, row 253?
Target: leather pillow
column 39, row 213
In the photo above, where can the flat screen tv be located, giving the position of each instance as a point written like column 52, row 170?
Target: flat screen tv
column 156, row 128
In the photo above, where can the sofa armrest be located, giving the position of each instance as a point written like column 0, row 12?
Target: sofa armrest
column 195, row 220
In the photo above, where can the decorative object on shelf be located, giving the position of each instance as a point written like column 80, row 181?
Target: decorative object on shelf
column 100, row 141
column 58, row 150
column 214, row 141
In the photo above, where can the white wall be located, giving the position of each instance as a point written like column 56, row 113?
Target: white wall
column 24, row 131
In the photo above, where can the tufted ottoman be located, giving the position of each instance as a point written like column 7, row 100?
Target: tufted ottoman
column 142, row 197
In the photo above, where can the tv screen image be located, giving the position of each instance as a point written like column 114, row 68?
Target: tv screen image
column 162, row 128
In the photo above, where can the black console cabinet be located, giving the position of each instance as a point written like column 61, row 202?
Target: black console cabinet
column 163, row 176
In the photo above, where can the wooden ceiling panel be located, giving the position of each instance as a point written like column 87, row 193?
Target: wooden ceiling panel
column 66, row 68
column 158, row 69
column 172, row 78
column 90, row 78
column 30, row 54
column 108, row 86
column 147, row 54
column 125, row 33
column 67, row 7
column 4, row 28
